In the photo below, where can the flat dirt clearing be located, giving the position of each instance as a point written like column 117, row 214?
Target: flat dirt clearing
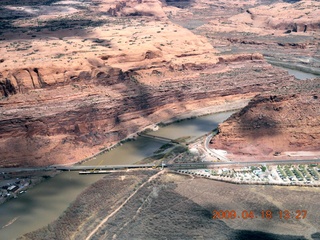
column 180, row 207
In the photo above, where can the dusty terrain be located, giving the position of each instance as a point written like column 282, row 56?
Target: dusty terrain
column 275, row 18
column 78, row 76
column 284, row 125
column 180, row 207
column 95, row 117
column 287, row 34
column 273, row 28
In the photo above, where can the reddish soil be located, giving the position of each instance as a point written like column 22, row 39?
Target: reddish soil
column 78, row 76
column 283, row 124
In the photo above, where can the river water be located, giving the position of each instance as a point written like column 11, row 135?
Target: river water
column 46, row 201
column 299, row 74
column 192, row 128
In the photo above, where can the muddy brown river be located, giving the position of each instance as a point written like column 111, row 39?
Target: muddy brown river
column 46, row 201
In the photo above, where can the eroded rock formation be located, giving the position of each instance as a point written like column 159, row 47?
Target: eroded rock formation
column 136, row 8
column 282, row 125
column 65, row 123
column 74, row 84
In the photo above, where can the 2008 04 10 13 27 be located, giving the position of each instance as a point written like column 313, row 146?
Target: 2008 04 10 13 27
column 264, row 214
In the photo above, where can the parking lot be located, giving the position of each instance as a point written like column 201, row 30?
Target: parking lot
column 302, row 174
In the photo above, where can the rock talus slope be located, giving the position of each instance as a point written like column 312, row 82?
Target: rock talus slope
column 283, row 125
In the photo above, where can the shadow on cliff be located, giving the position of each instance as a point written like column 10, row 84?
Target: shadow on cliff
column 11, row 9
column 144, row 97
column 141, row 98
column 29, row 10
column 179, row 3
column 253, row 121
column 27, row 2
column 23, row 151
column 55, row 28
column 291, row 1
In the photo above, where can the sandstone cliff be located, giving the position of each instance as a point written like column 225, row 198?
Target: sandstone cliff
column 65, row 123
column 135, row 8
column 301, row 16
column 76, row 77
column 277, row 125
column 265, row 17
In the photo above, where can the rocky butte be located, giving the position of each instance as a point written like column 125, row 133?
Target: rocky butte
column 280, row 126
column 77, row 77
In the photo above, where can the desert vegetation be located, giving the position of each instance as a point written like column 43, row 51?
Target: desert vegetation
column 181, row 207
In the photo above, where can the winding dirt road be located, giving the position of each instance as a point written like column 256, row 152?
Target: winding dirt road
column 117, row 209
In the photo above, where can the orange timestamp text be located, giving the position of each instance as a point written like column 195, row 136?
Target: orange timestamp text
column 264, row 214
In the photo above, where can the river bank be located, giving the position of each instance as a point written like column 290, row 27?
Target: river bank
column 14, row 184
column 38, row 177
column 226, row 105
column 172, row 203
column 63, row 189
column 300, row 71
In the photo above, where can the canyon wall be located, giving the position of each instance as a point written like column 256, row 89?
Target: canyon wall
column 76, row 77
column 283, row 125
column 301, row 16
column 66, row 123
